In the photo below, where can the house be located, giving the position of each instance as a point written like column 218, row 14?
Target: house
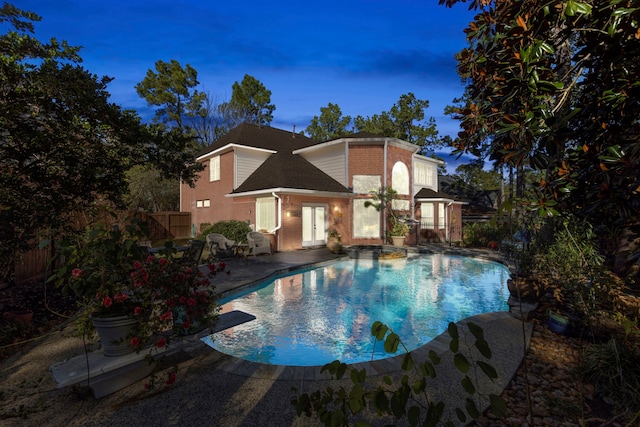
column 297, row 189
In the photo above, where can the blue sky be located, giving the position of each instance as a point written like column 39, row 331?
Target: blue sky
column 360, row 54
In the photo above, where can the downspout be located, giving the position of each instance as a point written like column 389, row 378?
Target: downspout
column 384, row 185
column 279, row 216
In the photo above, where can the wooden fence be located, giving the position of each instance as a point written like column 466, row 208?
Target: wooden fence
column 32, row 265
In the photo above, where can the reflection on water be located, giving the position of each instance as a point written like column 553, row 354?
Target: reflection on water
column 322, row 314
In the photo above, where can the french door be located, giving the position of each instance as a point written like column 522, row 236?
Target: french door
column 314, row 227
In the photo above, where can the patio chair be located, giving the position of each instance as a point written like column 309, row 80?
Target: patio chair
column 258, row 243
column 193, row 253
column 220, row 246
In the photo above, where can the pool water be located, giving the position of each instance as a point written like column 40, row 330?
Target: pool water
column 322, row 314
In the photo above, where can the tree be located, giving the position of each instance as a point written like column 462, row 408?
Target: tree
column 329, row 125
column 212, row 121
column 150, row 192
column 555, row 85
column 64, row 148
column 171, row 88
column 250, row 103
column 406, row 121
column 472, row 182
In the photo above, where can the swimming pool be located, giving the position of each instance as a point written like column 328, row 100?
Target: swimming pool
column 322, row 314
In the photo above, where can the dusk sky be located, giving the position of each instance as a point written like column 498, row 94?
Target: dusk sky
column 361, row 54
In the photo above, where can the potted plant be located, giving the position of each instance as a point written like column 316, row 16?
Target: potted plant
column 130, row 295
column 399, row 230
column 334, row 241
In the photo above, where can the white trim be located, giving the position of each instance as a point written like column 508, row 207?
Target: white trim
column 231, row 147
column 268, row 191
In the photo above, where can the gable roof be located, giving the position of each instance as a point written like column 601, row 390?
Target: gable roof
column 263, row 137
column 287, row 170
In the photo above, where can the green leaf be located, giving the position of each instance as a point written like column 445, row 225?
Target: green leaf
column 461, row 363
column 428, row 369
column 498, row 406
column 413, row 415
column 419, row 386
column 488, row 370
column 380, row 401
column 454, row 345
column 434, row 357
column 461, row 415
column 407, row 362
column 483, row 348
column 453, row 330
column 379, row 330
column 471, row 408
column 391, row 343
column 476, row 330
column 467, row 385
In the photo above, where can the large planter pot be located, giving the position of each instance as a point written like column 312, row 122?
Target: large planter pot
column 114, row 334
column 397, row 240
column 562, row 324
column 334, row 245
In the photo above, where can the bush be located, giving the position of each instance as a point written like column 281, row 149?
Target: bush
column 479, row 234
column 231, row 229
column 614, row 370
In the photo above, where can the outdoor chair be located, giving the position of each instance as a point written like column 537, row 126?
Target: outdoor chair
column 220, row 246
column 192, row 255
column 258, row 243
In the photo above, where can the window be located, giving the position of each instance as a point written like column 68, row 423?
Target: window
column 423, row 174
column 366, row 221
column 400, row 178
column 265, row 213
column 206, row 203
column 441, row 216
column 198, row 203
column 214, row 169
column 427, row 218
column 365, row 184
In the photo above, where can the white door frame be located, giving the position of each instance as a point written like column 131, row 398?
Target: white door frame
column 317, row 232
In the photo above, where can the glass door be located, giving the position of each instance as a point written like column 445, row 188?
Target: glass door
column 314, row 228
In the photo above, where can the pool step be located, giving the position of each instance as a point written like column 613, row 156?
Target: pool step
column 107, row 375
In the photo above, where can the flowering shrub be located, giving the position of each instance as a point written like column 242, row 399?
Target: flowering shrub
column 112, row 276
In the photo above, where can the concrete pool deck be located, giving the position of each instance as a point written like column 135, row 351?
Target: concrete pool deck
column 217, row 389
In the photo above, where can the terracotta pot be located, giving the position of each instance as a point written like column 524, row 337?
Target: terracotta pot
column 334, row 245
column 397, row 240
column 114, row 334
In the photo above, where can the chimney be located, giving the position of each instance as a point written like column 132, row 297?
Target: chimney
column 293, row 133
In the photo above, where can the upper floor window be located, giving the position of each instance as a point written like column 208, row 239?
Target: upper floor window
column 400, row 178
column 365, row 184
column 214, row 168
column 423, row 174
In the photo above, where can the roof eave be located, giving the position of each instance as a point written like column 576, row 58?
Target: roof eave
column 285, row 190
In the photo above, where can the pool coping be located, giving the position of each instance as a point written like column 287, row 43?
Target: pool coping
column 439, row 345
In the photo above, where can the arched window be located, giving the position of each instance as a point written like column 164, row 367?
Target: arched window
column 400, row 178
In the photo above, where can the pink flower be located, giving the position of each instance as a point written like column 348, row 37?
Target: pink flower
column 76, row 272
column 137, row 311
column 137, row 265
column 165, row 316
column 107, row 301
column 191, row 302
column 222, row 265
column 172, row 378
column 161, row 343
column 150, row 259
column 163, row 261
column 134, row 342
column 120, row 297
